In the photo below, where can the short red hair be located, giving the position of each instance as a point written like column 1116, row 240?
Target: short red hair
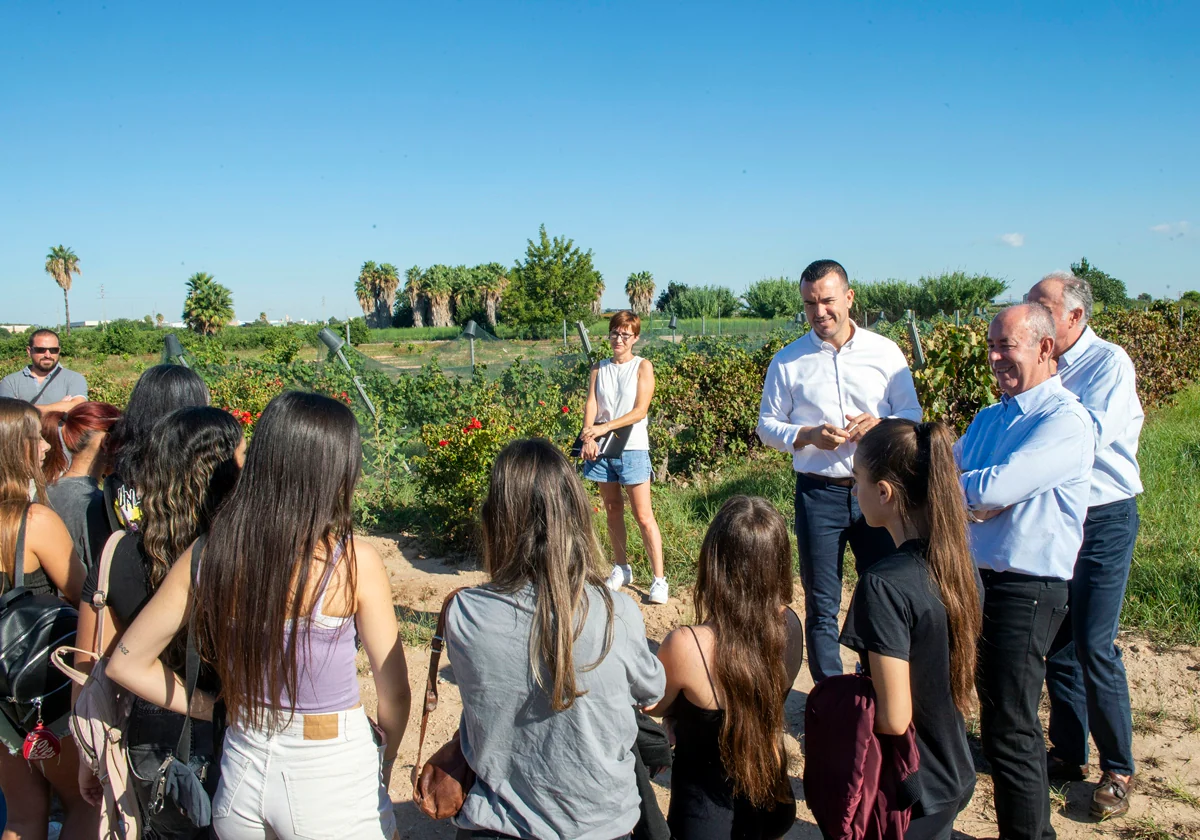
column 625, row 318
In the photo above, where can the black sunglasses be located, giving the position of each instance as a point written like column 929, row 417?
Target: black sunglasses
column 51, row 350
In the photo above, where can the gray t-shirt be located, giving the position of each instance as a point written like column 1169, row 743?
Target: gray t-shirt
column 22, row 386
column 79, row 502
column 543, row 774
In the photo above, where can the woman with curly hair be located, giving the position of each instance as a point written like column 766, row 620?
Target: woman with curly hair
column 191, row 463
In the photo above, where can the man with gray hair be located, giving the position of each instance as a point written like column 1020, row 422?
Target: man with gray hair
column 1026, row 466
column 1085, row 675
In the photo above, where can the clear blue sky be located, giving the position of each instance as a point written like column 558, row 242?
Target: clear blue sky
column 278, row 146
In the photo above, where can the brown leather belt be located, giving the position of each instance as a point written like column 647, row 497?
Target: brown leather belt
column 825, row 479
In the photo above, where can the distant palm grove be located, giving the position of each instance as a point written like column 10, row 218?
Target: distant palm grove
column 557, row 281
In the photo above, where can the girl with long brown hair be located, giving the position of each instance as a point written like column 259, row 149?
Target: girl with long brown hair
column 50, row 564
column 727, row 678
column 73, row 469
column 916, row 614
column 281, row 586
column 548, row 662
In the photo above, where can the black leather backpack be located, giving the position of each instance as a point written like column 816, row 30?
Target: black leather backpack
column 31, row 627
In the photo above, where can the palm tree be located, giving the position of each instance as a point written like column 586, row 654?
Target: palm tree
column 159, row 319
column 364, row 287
column 439, row 287
column 209, row 305
column 61, row 263
column 414, row 288
column 640, row 288
column 387, row 279
column 597, row 307
column 491, row 280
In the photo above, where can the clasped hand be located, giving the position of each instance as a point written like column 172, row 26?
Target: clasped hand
column 829, row 437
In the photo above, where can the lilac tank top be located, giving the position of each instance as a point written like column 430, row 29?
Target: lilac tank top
column 326, row 675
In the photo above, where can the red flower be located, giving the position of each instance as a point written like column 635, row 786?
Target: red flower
column 466, row 430
column 541, row 402
column 443, row 442
column 566, row 410
column 475, row 424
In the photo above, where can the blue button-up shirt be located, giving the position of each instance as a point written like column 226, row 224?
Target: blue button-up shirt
column 1101, row 374
column 1031, row 454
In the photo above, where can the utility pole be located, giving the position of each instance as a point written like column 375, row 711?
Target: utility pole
column 103, row 311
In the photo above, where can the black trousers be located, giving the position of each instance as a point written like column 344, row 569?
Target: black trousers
column 1021, row 616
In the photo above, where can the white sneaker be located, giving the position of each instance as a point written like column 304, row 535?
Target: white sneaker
column 620, row 576
column 658, row 591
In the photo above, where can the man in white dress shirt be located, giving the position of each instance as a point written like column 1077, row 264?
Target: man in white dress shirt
column 1026, row 467
column 1084, row 672
column 822, row 393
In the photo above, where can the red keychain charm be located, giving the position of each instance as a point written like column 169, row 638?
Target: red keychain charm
column 40, row 744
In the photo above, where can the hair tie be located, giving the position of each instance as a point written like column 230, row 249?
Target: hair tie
column 63, row 443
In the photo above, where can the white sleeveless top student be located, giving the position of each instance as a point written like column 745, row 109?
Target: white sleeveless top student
column 619, row 396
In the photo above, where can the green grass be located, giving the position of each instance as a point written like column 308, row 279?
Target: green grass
column 1163, row 596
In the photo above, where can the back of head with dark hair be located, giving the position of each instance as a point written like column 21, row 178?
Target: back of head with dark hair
column 743, row 579
column 189, row 470
column 917, row 460
column 818, row 269
column 159, row 391
column 537, row 529
column 294, row 496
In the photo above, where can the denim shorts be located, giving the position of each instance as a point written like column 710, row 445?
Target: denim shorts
column 632, row 467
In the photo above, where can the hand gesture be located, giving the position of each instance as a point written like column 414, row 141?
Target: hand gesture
column 90, row 787
column 826, row 436
column 859, row 425
column 591, row 450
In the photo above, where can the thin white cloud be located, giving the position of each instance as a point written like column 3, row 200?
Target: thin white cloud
column 1173, row 230
column 1013, row 240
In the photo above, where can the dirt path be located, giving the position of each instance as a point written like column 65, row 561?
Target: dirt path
column 1165, row 693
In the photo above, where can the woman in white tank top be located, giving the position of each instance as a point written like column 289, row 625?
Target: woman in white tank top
column 619, row 396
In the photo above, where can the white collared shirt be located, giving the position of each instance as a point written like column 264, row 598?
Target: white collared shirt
column 809, row 383
column 1031, row 457
column 1101, row 374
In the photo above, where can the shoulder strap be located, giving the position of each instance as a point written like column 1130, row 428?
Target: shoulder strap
column 45, row 385
column 100, row 597
column 431, row 691
column 183, row 752
column 19, row 552
column 704, row 662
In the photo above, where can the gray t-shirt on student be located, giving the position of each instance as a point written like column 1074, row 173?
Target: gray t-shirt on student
column 22, row 386
column 544, row 774
column 79, row 502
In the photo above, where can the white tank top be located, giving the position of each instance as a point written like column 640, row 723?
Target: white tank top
column 616, row 393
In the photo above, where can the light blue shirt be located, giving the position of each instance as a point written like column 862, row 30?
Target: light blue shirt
column 1031, row 454
column 1101, row 374
column 809, row 383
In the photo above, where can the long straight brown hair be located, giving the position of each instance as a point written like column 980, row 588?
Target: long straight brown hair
column 295, row 495
column 744, row 578
column 917, row 460
column 537, row 530
column 20, row 469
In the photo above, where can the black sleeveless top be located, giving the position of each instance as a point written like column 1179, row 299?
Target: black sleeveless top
column 36, row 581
column 703, row 805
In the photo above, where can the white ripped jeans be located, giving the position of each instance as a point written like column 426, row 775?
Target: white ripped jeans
column 317, row 778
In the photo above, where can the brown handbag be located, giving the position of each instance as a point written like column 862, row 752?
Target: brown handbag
column 441, row 784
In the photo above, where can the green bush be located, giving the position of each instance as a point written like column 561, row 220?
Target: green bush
column 774, row 297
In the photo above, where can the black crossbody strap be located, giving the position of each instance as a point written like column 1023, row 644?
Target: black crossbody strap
column 45, row 385
column 19, row 554
column 183, row 752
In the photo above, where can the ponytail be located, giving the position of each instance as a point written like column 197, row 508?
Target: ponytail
column 917, row 459
column 68, row 433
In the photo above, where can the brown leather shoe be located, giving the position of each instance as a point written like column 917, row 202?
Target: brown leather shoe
column 1061, row 771
column 1111, row 797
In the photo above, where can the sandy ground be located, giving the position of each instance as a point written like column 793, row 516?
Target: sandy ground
column 1165, row 687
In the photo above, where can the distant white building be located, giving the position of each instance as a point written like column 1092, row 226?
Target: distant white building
column 15, row 328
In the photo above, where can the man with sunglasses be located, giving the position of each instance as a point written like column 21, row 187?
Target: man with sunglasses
column 45, row 382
